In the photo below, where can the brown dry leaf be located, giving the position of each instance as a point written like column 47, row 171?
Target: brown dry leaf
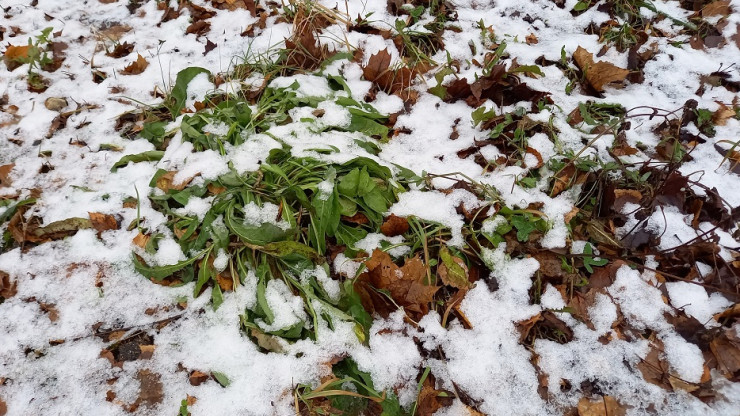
column 654, row 369
column 531, row 39
column 377, row 66
column 8, row 288
column 197, row 378
column 429, row 401
column 731, row 312
column 141, row 240
column 31, row 231
column 606, row 406
column 150, row 389
column 13, row 54
column 3, row 408
column 51, row 311
column 625, row 196
column 5, row 174
column 394, row 226
column 147, row 351
column 568, row 177
column 103, row 222
column 165, row 182
column 598, row 74
column 726, row 348
column 717, row 8
column 534, row 152
column 136, row 67
column 405, row 284
column 722, row 114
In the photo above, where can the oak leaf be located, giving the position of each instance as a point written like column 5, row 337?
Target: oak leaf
column 136, row 67
column 598, row 74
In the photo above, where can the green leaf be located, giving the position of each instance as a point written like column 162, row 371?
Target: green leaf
column 376, row 201
column 531, row 69
column 348, row 183
column 256, row 235
column 204, row 275
column 221, row 378
column 217, row 297
column 524, row 227
column 288, row 249
column 589, row 261
column 580, row 6
column 148, row 156
column 327, row 212
column 10, row 211
column 366, row 125
column 160, row 272
column 179, row 93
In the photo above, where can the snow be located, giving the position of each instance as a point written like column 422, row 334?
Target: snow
column 90, row 280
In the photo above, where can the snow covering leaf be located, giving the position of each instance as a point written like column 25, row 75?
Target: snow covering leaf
column 148, row 156
column 176, row 100
column 160, row 272
column 598, row 74
column 258, row 235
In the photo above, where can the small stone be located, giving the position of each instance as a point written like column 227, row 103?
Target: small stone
column 55, row 103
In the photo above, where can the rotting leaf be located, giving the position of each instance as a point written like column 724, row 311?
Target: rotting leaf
column 150, row 389
column 8, row 288
column 5, row 174
column 136, row 67
column 726, row 348
column 453, row 271
column 598, row 74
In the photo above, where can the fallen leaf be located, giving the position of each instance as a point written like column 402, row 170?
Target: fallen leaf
column 453, row 271
column 3, row 408
column 405, row 284
column 531, row 39
column 150, row 389
column 8, row 288
column 598, row 74
column 722, row 114
column 394, row 226
column 717, row 8
column 606, row 406
column 13, row 56
column 197, row 378
column 726, row 348
column 5, row 174
column 51, row 311
column 121, row 50
column 136, row 67
column 103, row 222
column 141, row 240
column 209, row 47
column 165, row 182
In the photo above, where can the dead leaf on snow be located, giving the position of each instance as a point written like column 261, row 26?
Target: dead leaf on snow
column 197, row 378
column 13, row 54
column 3, row 408
column 103, row 222
column 5, row 174
column 166, row 182
column 598, row 74
column 136, row 67
column 606, row 406
column 722, row 114
column 8, row 288
column 150, row 390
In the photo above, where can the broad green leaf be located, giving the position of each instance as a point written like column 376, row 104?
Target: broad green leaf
column 216, row 296
column 532, row 69
column 221, row 378
column 524, row 226
column 257, row 235
column 376, row 201
column 285, row 249
column 149, row 156
column 204, row 275
column 160, row 272
column 179, row 93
